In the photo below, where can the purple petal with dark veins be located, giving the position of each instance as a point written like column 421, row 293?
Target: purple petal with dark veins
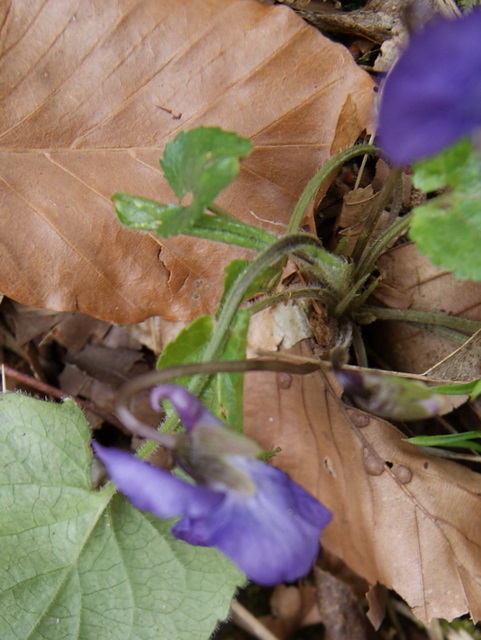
column 432, row 96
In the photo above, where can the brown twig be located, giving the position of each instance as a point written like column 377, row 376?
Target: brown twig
column 48, row 390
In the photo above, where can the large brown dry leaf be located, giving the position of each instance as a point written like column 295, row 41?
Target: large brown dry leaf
column 405, row 520
column 92, row 90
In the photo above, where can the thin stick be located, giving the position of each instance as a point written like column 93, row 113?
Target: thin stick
column 48, row 390
column 245, row 620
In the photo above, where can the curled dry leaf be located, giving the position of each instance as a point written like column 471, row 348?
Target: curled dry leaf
column 403, row 519
column 91, row 93
column 410, row 281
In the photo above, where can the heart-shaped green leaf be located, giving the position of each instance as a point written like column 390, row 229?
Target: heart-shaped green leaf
column 83, row 564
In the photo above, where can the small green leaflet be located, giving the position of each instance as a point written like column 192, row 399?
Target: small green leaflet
column 141, row 213
column 83, row 564
column 202, row 162
column 199, row 163
column 223, row 393
column 447, row 228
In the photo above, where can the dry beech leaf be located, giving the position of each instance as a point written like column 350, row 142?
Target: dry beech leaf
column 411, row 281
column 405, row 520
column 91, row 93
column 462, row 365
column 355, row 209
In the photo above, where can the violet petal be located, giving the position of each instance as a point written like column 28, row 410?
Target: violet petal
column 432, row 96
column 190, row 409
column 273, row 535
column 153, row 489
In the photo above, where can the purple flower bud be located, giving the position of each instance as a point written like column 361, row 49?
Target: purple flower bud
column 432, row 96
column 389, row 396
column 252, row 512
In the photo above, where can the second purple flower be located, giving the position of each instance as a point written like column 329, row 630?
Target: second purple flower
column 432, row 96
column 254, row 513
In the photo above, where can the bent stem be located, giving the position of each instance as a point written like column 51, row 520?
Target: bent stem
column 369, row 260
column 233, row 300
column 313, row 185
column 382, row 198
column 199, row 369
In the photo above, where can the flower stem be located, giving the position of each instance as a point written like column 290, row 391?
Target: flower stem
column 233, row 300
column 424, row 317
column 313, row 185
column 154, row 378
column 381, row 200
column 368, row 261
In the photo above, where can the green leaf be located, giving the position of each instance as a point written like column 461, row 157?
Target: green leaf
column 472, row 388
column 202, row 162
column 444, row 169
column 141, row 213
column 188, row 346
column 230, row 386
column 448, row 227
column 166, row 220
column 83, row 564
column 223, row 393
column 454, row 440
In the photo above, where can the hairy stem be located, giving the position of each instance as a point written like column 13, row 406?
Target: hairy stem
column 424, row 317
column 314, row 293
column 369, row 260
column 379, row 204
column 233, row 300
column 154, row 378
column 313, row 185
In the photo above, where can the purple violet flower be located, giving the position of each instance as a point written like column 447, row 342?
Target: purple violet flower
column 254, row 513
column 432, row 96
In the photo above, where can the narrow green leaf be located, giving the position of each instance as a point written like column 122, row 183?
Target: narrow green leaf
column 166, row 220
column 83, row 564
column 202, row 162
column 230, row 386
column 472, row 388
column 455, row 440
